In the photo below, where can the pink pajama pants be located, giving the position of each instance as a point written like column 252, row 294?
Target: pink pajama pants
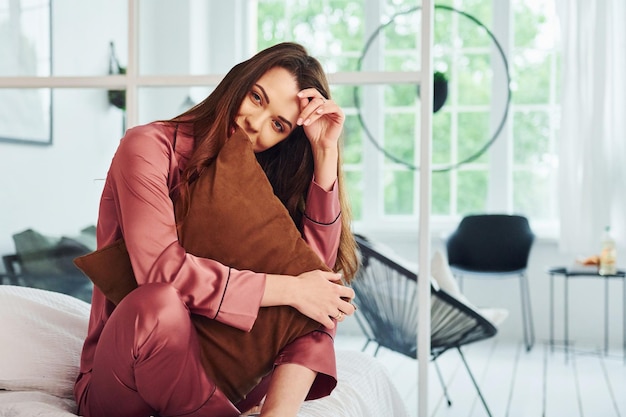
column 148, row 362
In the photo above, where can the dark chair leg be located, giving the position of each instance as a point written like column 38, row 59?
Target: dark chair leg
column 443, row 383
column 527, row 315
column 367, row 343
column 530, row 312
column 376, row 351
column 469, row 371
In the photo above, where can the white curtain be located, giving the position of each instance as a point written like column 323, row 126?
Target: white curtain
column 592, row 143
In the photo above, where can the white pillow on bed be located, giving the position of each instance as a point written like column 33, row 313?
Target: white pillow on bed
column 42, row 337
column 441, row 272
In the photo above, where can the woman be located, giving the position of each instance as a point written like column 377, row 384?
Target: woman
column 141, row 357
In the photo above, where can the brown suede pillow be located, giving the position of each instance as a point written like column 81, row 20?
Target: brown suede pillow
column 234, row 218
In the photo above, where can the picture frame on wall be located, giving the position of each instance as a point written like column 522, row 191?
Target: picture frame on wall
column 25, row 42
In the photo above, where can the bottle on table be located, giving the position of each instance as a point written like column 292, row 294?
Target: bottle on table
column 608, row 255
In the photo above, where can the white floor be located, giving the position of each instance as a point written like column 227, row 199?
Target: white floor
column 515, row 383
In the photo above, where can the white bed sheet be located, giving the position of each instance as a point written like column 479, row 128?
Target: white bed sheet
column 364, row 389
column 56, row 323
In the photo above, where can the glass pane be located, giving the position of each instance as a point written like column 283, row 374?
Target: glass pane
column 441, row 193
column 401, row 33
column 534, row 193
column 401, row 95
column 400, row 136
column 344, row 95
column 352, row 141
column 471, row 33
column 82, row 34
column 442, row 139
column 532, row 75
column 332, row 30
column 473, row 136
column 25, row 38
column 64, row 180
column 392, row 124
column 354, row 183
column 474, row 79
column 192, row 37
column 399, row 192
column 352, row 130
column 166, row 102
column 271, row 22
column 443, row 24
column 401, row 61
column 25, row 115
column 535, row 174
column 532, row 134
column 535, row 24
column 558, row 80
column 472, row 192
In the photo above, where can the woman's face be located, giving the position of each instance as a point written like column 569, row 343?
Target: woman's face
column 269, row 112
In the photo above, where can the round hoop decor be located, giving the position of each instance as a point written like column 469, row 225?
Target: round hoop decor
column 439, row 104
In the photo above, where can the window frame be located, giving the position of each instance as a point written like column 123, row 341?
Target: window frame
column 500, row 184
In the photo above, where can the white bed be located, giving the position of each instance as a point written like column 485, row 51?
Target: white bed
column 42, row 335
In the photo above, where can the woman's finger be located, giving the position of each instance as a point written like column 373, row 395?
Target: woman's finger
column 346, row 293
column 340, row 316
column 312, row 103
column 316, row 109
column 333, row 276
column 347, row 308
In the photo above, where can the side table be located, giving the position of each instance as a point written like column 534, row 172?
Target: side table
column 591, row 272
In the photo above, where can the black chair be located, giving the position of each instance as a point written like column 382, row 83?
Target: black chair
column 47, row 263
column 495, row 246
column 385, row 294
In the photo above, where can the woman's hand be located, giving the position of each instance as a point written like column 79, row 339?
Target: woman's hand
column 322, row 120
column 316, row 294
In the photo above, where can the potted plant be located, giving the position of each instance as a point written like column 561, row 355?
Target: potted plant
column 440, row 90
column 117, row 98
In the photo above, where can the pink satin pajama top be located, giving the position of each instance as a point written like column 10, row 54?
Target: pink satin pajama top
column 136, row 204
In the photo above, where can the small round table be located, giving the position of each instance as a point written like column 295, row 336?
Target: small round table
column 589, row 272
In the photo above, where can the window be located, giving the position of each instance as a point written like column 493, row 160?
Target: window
column 184, row 48
column 535, row 119
column 480, row 162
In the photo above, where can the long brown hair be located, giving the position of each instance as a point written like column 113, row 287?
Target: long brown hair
column 289, row 164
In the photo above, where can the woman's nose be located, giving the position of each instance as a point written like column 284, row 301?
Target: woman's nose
column 254, row 121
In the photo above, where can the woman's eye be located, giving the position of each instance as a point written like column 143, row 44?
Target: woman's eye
column 279, row 126
column 256, row 97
